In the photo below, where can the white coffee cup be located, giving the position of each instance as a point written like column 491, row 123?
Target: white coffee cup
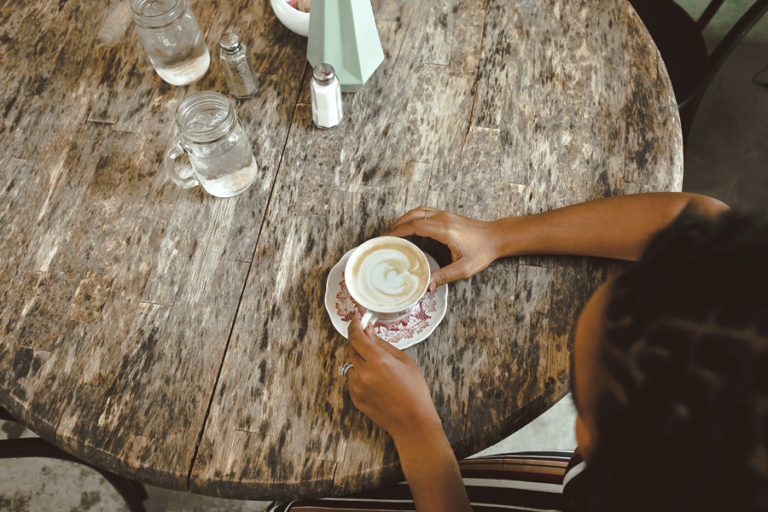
column 386, row 276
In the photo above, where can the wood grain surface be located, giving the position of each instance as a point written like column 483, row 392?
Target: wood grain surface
column 181, row 340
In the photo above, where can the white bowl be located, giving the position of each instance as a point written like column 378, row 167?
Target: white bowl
column 295, row 20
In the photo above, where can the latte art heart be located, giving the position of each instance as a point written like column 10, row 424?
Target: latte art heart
column 389, row 277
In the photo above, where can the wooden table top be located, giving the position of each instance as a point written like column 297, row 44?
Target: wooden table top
column 181, row 340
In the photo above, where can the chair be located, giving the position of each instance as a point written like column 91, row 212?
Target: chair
column 680, row 42
column 133, row 493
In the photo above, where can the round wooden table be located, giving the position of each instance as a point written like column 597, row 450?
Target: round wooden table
column 181, row 340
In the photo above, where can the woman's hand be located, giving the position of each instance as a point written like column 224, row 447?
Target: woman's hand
column 473, row 243
column 388, row 387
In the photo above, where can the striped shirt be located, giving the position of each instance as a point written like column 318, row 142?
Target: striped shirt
column 528, row 481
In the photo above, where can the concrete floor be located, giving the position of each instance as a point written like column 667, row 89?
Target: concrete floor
column 726, row 17
column 727, row 154
column 726, row 157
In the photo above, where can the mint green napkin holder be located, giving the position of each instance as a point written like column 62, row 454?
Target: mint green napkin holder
column 343, row 34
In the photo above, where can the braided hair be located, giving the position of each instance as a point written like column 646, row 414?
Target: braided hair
column 684, row 425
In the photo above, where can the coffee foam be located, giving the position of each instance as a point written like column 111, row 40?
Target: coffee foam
column 388, row 275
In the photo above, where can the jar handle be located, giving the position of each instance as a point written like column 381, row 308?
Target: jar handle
column 185, row 179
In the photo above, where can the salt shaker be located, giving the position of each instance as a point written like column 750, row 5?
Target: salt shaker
column 240, row 76
column 326, row 97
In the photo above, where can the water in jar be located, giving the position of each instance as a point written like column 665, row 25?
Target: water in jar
column 226, row 166
column 176, row 49
column 183, row 69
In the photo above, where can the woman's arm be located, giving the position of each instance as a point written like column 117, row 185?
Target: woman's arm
column 388, row 387
column 618, row 227
column 432, row 472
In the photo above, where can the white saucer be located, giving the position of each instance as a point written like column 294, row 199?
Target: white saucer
column 402, row 333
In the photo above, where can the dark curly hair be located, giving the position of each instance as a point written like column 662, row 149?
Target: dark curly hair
column 685, row 428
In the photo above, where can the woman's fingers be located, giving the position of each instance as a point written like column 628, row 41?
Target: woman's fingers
column 354, row 357
column 447, row 274
column 387, row 346
column 361, row 343
column 358, row 364
column 421, row 212
column 430, row 228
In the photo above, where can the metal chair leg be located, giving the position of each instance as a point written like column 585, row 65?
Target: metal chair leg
column 133, row 493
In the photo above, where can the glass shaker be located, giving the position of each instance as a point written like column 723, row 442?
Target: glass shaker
column 172, row 39
column 214, row 141
column 240, row 76
column 326, row 97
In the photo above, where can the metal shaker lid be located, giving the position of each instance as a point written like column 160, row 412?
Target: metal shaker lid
column 230, row 42
column 323, row 74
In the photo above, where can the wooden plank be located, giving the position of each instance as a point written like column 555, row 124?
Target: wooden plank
column 146, row 423
column 467, row 43
column 473, row 333
column 279, row 60
column 278, row 352
column 438, row 37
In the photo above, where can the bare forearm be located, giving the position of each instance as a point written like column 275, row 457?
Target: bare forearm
column 617, row 228
column 432, row 472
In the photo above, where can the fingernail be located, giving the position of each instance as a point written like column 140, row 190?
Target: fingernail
column 432, row 286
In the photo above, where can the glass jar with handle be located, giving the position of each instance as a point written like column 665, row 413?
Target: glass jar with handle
column 214, row 141
column 172, row 38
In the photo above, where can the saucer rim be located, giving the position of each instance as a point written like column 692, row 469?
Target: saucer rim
column 408, row 342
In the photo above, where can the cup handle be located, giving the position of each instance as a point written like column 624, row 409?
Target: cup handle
column 369, row 318
column 186, row 179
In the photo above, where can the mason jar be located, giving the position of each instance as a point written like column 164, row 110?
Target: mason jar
column 172, row 38
column 214, row 141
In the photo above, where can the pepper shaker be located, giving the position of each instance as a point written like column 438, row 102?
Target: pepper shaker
column 234, row 59
column 326, row 97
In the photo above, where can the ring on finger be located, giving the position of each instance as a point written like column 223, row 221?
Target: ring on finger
column 343, row 369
